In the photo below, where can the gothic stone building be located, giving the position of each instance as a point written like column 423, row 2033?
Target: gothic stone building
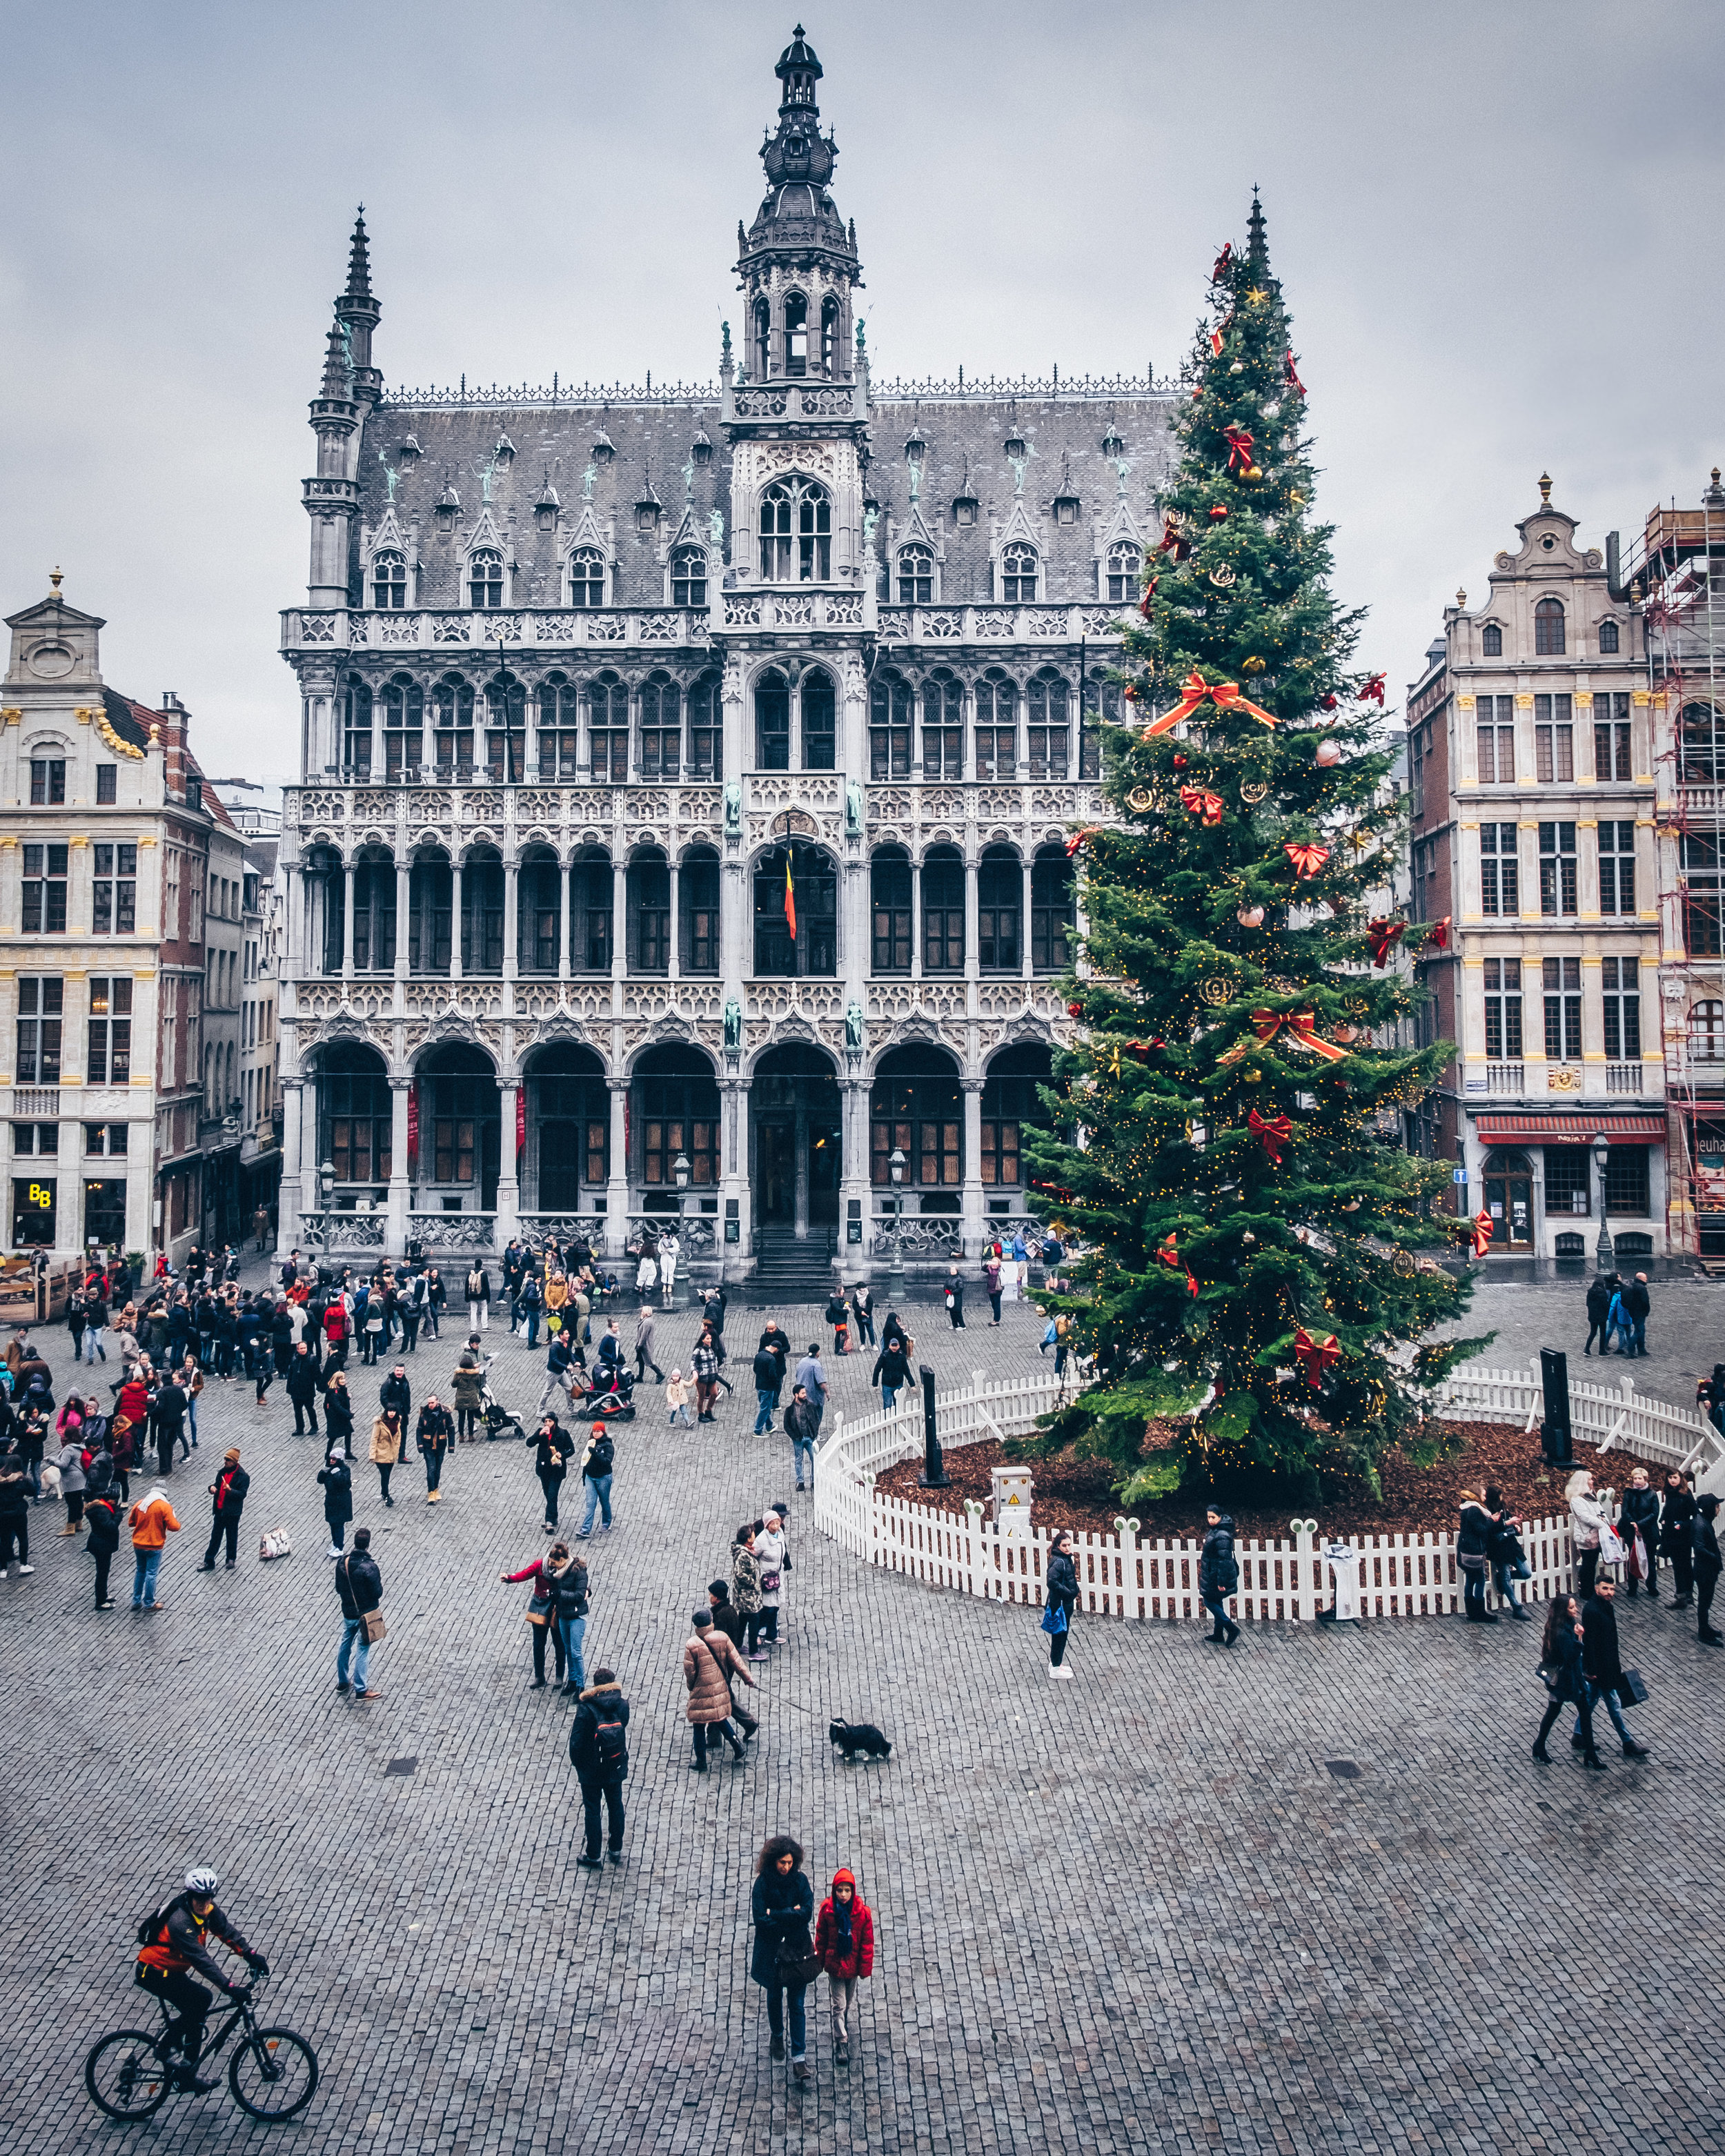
column 686, row 777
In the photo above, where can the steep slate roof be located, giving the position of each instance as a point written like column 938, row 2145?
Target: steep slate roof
column 130, row 720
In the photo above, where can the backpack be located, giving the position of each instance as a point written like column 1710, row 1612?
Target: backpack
column 611, row 1743
column 150, row 1927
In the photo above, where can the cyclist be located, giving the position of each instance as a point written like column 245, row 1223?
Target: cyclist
column 172, row 1943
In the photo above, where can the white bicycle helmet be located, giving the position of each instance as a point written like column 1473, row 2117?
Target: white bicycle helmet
column 203, row 1882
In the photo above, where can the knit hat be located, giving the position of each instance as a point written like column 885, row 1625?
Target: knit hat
column 842, row 1878
column 703, row 1620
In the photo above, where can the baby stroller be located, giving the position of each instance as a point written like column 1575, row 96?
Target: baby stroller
column 498, row 1420
column 612, row 1394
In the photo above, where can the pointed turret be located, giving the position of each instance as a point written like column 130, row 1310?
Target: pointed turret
column 358, row 311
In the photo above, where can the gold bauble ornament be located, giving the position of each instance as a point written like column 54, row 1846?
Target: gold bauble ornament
column 1252, row 791
column 1222, row 578
column 1238, row 367
column 1141, row 800
column 1252, row 665
column 1255, row 471
column 1216, row 989
column 1253, row 1077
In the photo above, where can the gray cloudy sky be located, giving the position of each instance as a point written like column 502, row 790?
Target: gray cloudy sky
column 1496, row 224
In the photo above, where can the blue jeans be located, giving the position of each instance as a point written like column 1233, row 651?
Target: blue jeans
column 803, row 1459
column 143, row 1585
column 1638, row 1345
column 1596, row 1691
column 574, row 1632
column 599, row 1497
column 353, row 1633
column 533, row 1328
column 889, row 1395
column 777, row 1994
column 763, row 1411
column 1504, row 1578
column 92, row 1345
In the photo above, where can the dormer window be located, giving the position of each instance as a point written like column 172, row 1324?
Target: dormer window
column 1018, row 576
column 796, row 334
column 796, row 533
column 1607, row 637
column 587, row 577
column 1549, row 629
column 1065, row 509
column 701, row 449
column 604, row 449
column 964, row 512
column 915, row 576
column 689, row 578
column 763, row 341
column 389, row 580
column 1123, row 571
column 1491, row 641
column 484, row 578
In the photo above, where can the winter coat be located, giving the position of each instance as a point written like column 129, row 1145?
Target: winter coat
column 1587, row 1516
column 302, row 1378
column 1639, row 1512
column 398, row 1393
column 837, row 1957
column 469, row 1380
column 436, row 1427
column 338, row 1415
column 1568, row 1666
column 551, row 1459
column 782, row 1910
column 598, row 1703
column 768, row 1373
column 359, row 1582
column 337, row 1492
column 1676, row 1520
column 152, row 1523
column 70, row 1460
column 1599, row 1301
column 710, row 1662
column 1062, row 1582
column 1704, row 1535
column 1636, row 1301
column 1473, row 1536
column 102, row 1517
column 745, row 1579
column 1599, row 1647
column 228, row 1493
column 892, row 1366
column 567, row 1590
column 386, row 1441
column 599, row 1456
column 769, row 1555
column 1217, row 1567
column 645, row 1330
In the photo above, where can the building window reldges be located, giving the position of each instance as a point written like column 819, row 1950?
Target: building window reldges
column 763, row 341
column 1553, row 739
column 48, row 782
column 1707, row 1031
column 1562, row 979
column 587, row 577
column 389, row 581
column 689, row 577
column 997, row 727
column 1617, row 866
column 115, row 894
column 40, row 1006
column 356, row 727
column 484, row 578
column 813, row 892
column 1627, row 1182
column 889, row 894
column 706, row 730
column 1620, row 984
column 42, row 1139
column 1047, row 733
column 373, row 916
column 1569, row 1181
column 452, row 726
column 1611, row 738
column 1556, row 869
column 1549, row 629
column 1496, row 734
column 1019, row 568
column 698, row 895
column 505, row 728
column 1702, row 746
column 1608, row 641
column 796, row 333
column 1499, row 877
column 649, row 885
column 820, row 722
column 592, row 894
column 1052, row 913
column 796, row 533
column 915, row 576
column 1503, row 1010
column 943, row 912
column 107, row 784
column 664, row 1136
column 559, row 727
column 920, row 1117
column 661, row 728
column 1123, row 561
column 942, row 727
column 110, row 1061
column 1000, row 890
column 44, row 890
column 608, row 730
column 889, row 728
column 773, row 722
column 1491, row 641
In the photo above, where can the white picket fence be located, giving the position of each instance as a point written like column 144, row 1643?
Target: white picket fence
column 1124, row 1573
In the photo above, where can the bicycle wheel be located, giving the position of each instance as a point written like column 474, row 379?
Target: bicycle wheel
column 126, row 2075
column 273, row 2073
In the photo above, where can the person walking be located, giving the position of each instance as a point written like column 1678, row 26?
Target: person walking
column 802, row 1422
column 1560, row 1666
column 1509, row 1559
column 338, row 1413
column 676, row 1400
column 385, row 1448
column 599, row 1752
column 1637, row 1303
column 567, row 1580
column 337, row 1480
column 892, row 1369
column 1219, row 1575
column 1676, row 1543
column 992, row 1283
column 69, row 1461
column 670, row 1256
column 95, row 1320
column 769, row 1555
column 777, row 1342
column 528, row 1307
column 1638, row 1523
column 706, row 1374
column 551, row 1464
column 1601, row 1664
column 643, row 1346
column 862, row 1308
column 838, row 1316
column 360, row 1586
column 559, row 1358
column 782, row 1903
column 597, row 1462
column 303, row 1380
column 1704, row 1538
column 1598, row 1307
column 710, row 1661
column 768, row 1375
column 435, row 1431
column 479, row 1299
column 168, row 1418
column 101, row 1516
column 151, row 1523
column 1587, row 1517
column 1473, row 1548
column 435, row 1301
column 812, row 1380
column 845, row 1946
column 15, row 1515
column 746, row 1590
column 396, row 1394
column 227, row 1503
column 541, row 1607
column 1061, row 1587
column 470, row 1386
column 953, row 1296
column 730, row 1620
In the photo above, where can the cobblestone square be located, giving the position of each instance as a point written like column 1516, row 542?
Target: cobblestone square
column 1149, row 1910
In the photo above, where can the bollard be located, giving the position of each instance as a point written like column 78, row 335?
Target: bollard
column 934, row 1475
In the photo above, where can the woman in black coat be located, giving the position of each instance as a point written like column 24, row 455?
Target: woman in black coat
column 782, row 1903
column 1638, row 1516
column 1676, row 1541
column 550, row 1464
column 337, row 1497
column 338, row 1415
column 1062, row 1584
column 1219, row 1575
column 1560, row 1658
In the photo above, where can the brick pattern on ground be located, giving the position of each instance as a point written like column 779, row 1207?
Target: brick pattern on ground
column 1134, row 1912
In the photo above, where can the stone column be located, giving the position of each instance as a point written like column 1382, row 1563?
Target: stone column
column 973, row 1165
column 566, row 920
column 310, row 1197
column 972, row 925
column 292, row 1134
column 733, row 1181
column 800, row 1205
column 401, row 1190
column 674, row 954
column 915, row 920
column 853, row 1180
column 619, row 919
column 616, row 1187
column 404, row 916
column 508, row 1185
column 347, row 875
column 455, row 922
column 1024, row 923
column 511, row 919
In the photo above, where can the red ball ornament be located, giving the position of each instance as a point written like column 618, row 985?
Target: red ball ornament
column 1075, row 1010
column 1217, row 513
column 1179, row 763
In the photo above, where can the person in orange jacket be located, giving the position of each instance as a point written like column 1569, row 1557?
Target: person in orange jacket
column 845, row 1946
column 151, row 1523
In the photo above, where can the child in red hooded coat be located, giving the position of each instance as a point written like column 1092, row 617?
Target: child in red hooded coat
column 844, row 1945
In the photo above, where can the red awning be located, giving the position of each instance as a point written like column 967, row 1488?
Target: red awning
column 1530, row 1129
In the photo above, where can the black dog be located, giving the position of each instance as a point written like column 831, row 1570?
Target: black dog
column 854, row 1736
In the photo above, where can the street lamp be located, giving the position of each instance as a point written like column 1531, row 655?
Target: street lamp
column 1605, row 1260
column 896, row 1271
column 680, row 1168
column 327, row 1191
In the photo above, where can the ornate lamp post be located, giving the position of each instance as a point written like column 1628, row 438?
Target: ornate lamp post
column 896, row 1272
column 1605, row 1260
column 680, row 1168
column 327, row 1191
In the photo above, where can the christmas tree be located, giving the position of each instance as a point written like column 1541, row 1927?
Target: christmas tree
column 1227, row 1150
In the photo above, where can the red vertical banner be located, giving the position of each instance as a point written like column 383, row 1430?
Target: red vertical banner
column 412, row 1129
column 521, row 1121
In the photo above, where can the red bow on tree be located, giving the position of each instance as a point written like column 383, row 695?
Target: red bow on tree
column 1207, row 805
column 1149, row 594
column 1294, row 382
column 1173, row 541
column 1481, row 1233
column 1439, row 933
column 1240, row 448
column 1316, row 1356
column 1307, row 860
column 1272, row 1132
column 1166, row 1254
column 1382, row 934
column 1373, row 692
column 1194, row 690
column 1225, row 262
column 1296, row 1024
column 1078, row 839
column 1217, row 513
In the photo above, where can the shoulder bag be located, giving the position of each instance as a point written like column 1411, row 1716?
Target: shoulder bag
column 1631, row 1690
column 794, row 1962
column 539, row 1604
column 375, row 1628
column 273, row 1544
column 1610, row 1544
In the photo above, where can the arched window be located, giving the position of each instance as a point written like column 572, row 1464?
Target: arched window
column 429, row 887
column 587, row 577
column 1123, row 561
column 796, row 334
column 706, row 730
column 889, row 894
column 647, row 886
column 590, row 900
column 942, row 727
column 1491, row 641
column 539, row 911
column 1000, row 895
column 796, row 917
column 482, row 911
column 354, row 1113
column 1707, row 1031
column 997, row 726
column 828, row 337
column 773, row 722
column 915, row 1107
column 505, row 727
column 452, row 726
column 357, row 728
column 915, row 576
column 689, row 578
column 1608, row 636
column 763, row 341
column 943, row 910
column 1548, row 628
column 484, row 578
column 796, row 532
column 1018, row 576
column 1051, row 911
column 1049, row 736
column 404, row 725
column 559, row 737
column 389, row 579
column 1010, row 1101
column 608, row 724
column 373, row 914
column 890, row 728
column 676, row 1111
column 820, row 722
column 661, row 727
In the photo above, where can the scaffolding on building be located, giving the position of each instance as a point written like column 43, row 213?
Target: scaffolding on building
column 1674, row 573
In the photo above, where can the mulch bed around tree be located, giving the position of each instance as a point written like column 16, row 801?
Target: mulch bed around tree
column 1076, row 1493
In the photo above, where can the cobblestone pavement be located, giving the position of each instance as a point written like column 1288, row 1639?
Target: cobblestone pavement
column 1154, row 1909
column 1685, row 1332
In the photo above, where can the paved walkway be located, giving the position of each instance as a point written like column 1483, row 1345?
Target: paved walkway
column 1153, row 1909
column 1686, row 1333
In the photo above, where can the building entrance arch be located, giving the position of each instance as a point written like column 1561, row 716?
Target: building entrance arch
column 797, row 1140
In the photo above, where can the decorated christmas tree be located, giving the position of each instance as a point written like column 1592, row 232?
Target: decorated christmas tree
column 1227, row 1151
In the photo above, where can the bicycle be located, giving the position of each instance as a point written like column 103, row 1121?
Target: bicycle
column 273, row 2073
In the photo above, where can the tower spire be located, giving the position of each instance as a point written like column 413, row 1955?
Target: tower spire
column 356, row 310
column 359, row 261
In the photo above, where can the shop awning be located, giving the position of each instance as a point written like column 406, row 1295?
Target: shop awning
column 1528, row 1129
